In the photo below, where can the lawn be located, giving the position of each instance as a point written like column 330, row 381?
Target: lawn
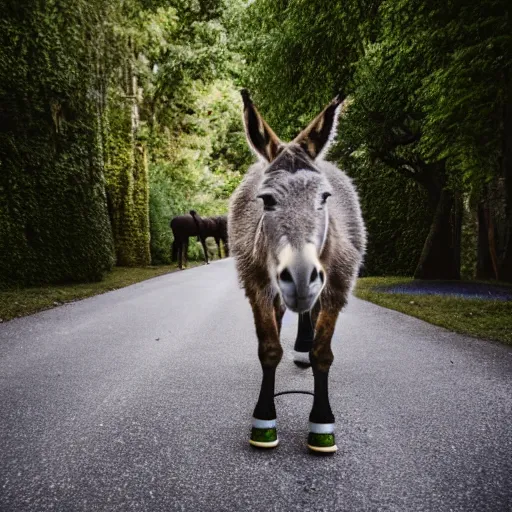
column 16, row 302
column 488, row 319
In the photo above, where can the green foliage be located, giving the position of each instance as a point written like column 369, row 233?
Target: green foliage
column 431, row 101
column 108, row 129
column 299, row 54
column 53, row 217
column 397, row 216
column 126, row 173
column 465, row 95
column 203, row 164
column 189, row 115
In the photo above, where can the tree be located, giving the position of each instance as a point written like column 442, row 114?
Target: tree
column 386, row 121
column 430, row 96
column 468, row 105
column 96, row 101
column 299, row 54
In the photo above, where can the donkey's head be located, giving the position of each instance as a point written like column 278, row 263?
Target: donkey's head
column 294, row 195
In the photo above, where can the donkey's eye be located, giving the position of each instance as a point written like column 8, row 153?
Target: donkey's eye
column 325, row 195
column 269, row 201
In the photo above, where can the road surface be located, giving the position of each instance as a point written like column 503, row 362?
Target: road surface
column 141, row 399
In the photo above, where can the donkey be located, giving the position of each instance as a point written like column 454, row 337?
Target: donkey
column 298, row 238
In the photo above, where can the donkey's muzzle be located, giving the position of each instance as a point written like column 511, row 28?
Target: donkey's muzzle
column 300, row 284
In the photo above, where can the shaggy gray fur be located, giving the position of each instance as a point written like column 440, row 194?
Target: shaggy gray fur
column 255, row 235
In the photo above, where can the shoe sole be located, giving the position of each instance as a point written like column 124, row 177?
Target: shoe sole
column 323, row 449
column 261, row 444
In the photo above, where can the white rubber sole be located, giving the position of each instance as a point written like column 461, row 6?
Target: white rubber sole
column 260, row 444
column 323, row 449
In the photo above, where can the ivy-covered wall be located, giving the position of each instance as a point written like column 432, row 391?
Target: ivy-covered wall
column 126, row 171
column 54, row 224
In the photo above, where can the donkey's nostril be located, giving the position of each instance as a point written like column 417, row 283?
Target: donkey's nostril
column 314, row 275
column 286, row 276
column 322, row 276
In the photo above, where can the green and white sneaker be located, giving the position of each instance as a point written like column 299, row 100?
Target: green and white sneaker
column 321, row 438
column 264, row 433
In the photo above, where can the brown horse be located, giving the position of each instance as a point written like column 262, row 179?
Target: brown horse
column 185, row 226
column 215, row 227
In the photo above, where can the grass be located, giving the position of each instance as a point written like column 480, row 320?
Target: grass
column 488, row 319
column 15, row 302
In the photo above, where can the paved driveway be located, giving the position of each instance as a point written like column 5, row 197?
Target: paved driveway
column 141, row 398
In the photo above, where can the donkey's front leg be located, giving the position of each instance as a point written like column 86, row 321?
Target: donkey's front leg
column 264, row 433
column 321, row 419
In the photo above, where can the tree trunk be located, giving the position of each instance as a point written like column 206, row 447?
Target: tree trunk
column 484, row 265
column 505, row 269
column 505, row 262
column 440, row 257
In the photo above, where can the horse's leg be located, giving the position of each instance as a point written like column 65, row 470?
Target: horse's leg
column 217, row 241
column 321, row 419
column 180, row 254
column 264, row 433
column 203, row 243
column 305, row 336
column 185, row 252
column 174, row 251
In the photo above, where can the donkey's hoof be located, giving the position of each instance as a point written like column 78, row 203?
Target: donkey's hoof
column 264, row 437
column 321, row 438
column 322, row 443
column 301, row 359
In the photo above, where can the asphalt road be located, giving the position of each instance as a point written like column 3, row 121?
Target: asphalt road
column 141, row 398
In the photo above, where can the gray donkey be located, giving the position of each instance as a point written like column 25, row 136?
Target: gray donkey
column 298, row 239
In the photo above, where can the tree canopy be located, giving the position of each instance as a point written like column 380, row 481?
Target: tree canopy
column 117, row 115
column 430, row 99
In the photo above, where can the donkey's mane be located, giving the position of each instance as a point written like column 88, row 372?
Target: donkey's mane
column 292, row 159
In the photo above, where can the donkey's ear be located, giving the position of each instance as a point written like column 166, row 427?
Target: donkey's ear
column 262, row 139
column 316, row 139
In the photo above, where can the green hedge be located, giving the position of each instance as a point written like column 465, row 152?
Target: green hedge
column 54, row 223
column 126, row 172
column 397, row 217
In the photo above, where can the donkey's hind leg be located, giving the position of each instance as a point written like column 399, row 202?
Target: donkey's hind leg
column 305, row 336
column 321, row 419
column 264, row 433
